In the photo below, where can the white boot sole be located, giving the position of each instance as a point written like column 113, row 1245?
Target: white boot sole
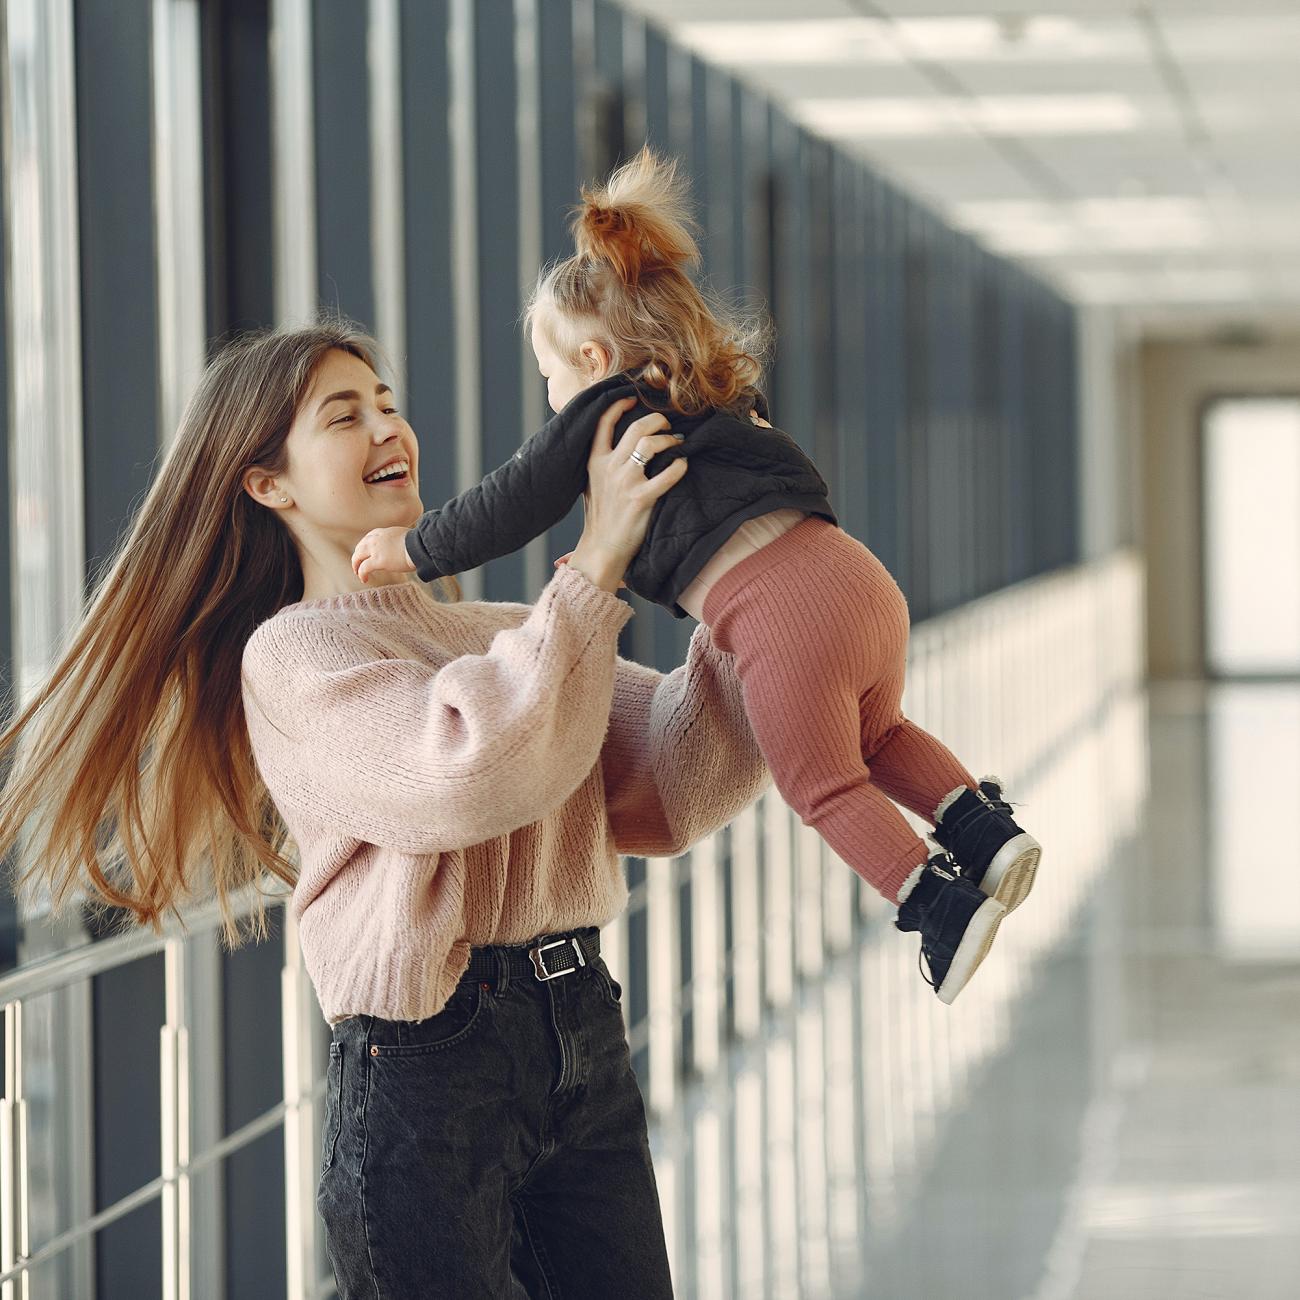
column 981, row 930
column 1010, row 876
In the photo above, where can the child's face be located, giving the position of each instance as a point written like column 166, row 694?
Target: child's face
column 563, row 381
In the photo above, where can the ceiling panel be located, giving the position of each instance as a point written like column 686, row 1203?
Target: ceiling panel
column 1144, row 162
column 948, row 171
column 1103, row 118
column 1257, row 172
column 1256, row 39
column 1187, row 110
column 1242, row 79
column 1135, row 77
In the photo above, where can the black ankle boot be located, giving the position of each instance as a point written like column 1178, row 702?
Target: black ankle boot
column 957, row 922
column 977, row 828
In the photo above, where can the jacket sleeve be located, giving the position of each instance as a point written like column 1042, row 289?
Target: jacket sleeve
column 424, row 759
column 518, row 501
column 680, row 759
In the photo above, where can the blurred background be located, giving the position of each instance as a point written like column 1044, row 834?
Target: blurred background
column 1036, row 279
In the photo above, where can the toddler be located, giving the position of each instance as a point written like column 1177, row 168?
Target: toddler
column 748, row 543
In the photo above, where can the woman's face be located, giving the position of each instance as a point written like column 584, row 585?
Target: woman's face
column 346, row 428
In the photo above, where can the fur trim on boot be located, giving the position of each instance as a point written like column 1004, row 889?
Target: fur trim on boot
column 947, row 802
column 910, row 883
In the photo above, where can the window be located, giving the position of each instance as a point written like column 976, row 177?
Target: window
column 1251, row 490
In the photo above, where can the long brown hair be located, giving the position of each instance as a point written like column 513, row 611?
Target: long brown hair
column 131, row 771
column 627, row 287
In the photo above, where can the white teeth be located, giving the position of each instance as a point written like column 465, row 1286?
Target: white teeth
column 397, row 467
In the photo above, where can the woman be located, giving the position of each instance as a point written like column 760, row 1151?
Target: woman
column 458, row 778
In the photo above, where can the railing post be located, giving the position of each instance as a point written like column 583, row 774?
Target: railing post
column 778, row 902
column 809, row 876
column 747, row 923
column 13, row 1158
column 175, row 1066
column 298, row 1012
column 663, row 980
column 707, row 955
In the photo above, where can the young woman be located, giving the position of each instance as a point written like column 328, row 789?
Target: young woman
column 751, row 546
column 445, row 785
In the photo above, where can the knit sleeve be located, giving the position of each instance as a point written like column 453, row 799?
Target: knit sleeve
column 517, row 501
column 680, row 759
column 423, row 759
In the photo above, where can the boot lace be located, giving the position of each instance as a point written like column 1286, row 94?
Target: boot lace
column 1001, row 803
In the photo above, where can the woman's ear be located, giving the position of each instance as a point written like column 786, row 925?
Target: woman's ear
column 595, row 358
column 262, row 487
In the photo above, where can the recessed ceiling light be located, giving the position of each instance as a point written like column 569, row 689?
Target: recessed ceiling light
column 995, row 115
column 784, row 42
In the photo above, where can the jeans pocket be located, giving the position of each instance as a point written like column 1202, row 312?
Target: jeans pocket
column 333, row 1120
column 611, row 988
column 463, row 1012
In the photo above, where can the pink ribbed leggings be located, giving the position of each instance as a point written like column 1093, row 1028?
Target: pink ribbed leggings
column 819, row 629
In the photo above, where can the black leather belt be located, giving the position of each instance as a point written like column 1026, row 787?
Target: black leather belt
column 543, row 958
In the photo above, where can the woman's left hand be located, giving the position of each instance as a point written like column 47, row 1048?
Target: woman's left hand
column 382, row 550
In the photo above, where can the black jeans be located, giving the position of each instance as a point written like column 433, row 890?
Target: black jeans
column 493, row 1151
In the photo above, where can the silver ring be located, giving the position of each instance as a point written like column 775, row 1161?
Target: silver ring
column 640, row 459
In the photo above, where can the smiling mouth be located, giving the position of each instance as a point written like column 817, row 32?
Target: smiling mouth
column 403, row 477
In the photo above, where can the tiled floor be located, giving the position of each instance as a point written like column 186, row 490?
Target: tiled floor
column 1116, row 1116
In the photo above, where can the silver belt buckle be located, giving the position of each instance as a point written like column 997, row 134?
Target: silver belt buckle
column 535, row 954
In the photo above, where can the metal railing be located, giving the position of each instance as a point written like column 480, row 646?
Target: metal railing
column 1041, row 683
column 1015, row 679
column 295, row 1113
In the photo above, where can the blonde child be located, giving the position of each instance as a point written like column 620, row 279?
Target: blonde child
column 748, row 543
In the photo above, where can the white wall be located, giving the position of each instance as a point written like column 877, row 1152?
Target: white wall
column 1176, row 380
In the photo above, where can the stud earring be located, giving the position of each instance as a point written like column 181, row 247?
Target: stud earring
column 284, row 498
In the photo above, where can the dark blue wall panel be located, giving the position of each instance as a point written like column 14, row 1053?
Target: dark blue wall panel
column 497, row 183
column 344, row 174
column 426, row 205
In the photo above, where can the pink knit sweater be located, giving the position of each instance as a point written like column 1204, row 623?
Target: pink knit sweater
column 462, row 774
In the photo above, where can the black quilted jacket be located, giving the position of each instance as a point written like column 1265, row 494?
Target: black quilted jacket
column 737, row 470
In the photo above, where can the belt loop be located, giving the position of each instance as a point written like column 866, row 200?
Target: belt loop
column 503, row 970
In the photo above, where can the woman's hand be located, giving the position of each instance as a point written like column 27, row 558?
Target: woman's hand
column 619, row 496
column 382, row 550
column 567, row 556
column 758, row 419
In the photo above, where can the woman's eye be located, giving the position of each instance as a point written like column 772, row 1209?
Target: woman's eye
column 344, row 419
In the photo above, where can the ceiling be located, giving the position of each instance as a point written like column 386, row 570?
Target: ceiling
column 1145, row 156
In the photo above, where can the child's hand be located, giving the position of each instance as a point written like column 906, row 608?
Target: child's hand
column 758, row 419
column 382, row 550
column 564, row 559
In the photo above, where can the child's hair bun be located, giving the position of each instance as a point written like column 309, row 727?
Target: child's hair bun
column 638, row 221
column 627, row 286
